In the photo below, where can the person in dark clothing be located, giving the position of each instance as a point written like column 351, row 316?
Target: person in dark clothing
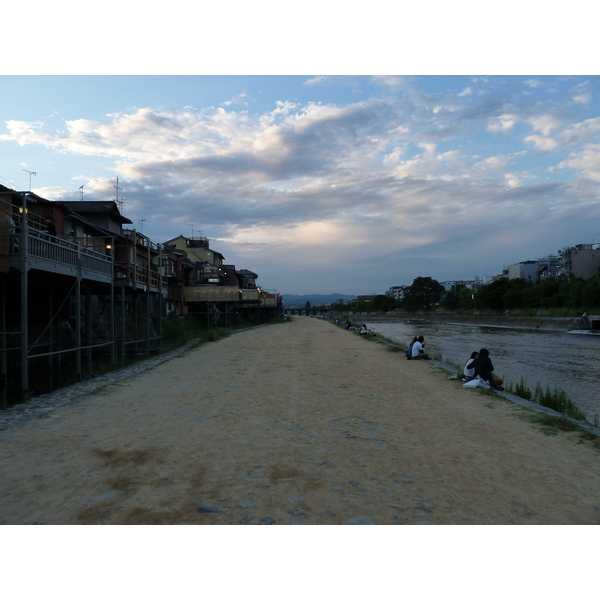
column 48, row 225
column 485, row 369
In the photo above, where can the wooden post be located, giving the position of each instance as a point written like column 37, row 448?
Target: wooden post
column 4, row 390
column 24, row 242
column 78, row 316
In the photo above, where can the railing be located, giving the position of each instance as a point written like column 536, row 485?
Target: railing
column 141, row 276
column 141, row 239
column 250, row 295
column 53, row 249
column 211, row 293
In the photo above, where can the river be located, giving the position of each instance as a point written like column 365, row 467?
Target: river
column 568, row 361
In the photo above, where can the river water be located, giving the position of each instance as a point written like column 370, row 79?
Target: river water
column 568, row 361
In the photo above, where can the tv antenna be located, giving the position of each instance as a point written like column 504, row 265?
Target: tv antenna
column 142, row 221
column 192, row 226
column 30, row 174
column 119, row 202
column 81, row 188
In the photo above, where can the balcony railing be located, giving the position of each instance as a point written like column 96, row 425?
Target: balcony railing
column 138, row 274
column 141, row 239
column 45, row 247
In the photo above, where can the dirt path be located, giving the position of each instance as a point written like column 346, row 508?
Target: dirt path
column 295, row 423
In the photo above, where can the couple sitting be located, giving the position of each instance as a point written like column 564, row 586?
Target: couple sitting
column 415, row 350
column 480, row 365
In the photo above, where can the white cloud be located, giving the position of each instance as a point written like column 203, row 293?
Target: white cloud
column 513, row 180
column 393, row 81
column 50, row 192
column 587, row 161
column 583, row 98
column 544, row 123
column 542, row 142
column 394, row 157
column 533, row 83
column 502, row 123
column 387, row 185
column 317, row 80
column 493, row 164
column 239, row 99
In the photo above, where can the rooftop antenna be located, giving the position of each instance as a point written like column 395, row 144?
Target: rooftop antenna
column 30, row 174
column 192, row 226
column 81, row 188
column 142, row 221
column 119, row 202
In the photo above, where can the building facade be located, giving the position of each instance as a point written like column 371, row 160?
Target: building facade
column 582, row 261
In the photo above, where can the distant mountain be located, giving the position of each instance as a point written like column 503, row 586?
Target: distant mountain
column 314, row 299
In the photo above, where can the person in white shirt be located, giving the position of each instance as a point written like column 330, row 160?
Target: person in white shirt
column 469, row 369
column 418, row 353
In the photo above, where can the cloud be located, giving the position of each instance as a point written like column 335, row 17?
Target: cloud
column 545, row 123
column 587, row 161
column 317, row 80
column 513, row 180
column 50, row 192
column 375, row 190
column 583, row 98
column 239, row 100
column 392, row 81
column 542, row 142
column 502, row 123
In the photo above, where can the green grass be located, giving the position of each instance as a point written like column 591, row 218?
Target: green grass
column 552, row 425
column 396, row 349
column 553, row 398
column 520, row 389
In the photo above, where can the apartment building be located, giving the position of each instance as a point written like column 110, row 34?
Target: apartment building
column 582, row 261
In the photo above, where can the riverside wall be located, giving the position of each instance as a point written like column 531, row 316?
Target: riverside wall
column 549, row 324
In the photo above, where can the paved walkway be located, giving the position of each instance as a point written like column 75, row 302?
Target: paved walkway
column 299, row 423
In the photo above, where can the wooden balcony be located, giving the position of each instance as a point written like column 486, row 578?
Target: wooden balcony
column 56, row 255
column 212, row 293
column 139, row 277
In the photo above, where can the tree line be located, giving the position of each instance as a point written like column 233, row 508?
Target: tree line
column 500, row 295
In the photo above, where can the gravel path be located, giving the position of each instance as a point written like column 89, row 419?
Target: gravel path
column 302, row 423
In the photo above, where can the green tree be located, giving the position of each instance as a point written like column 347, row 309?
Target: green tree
column 490, row 296
column 451, row 299
column 514, row 295
column 383, row 303
column 590, row 296
column 423, row 293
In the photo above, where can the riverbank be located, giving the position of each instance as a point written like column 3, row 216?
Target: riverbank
column 300, row 423
column 548, row 324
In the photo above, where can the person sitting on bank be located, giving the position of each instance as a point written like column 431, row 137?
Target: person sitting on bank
column 485, row 369
column 469, row 369
column 418, row 353
column 365, row 331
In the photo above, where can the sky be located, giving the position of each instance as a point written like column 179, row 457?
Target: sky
column 348, row 183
